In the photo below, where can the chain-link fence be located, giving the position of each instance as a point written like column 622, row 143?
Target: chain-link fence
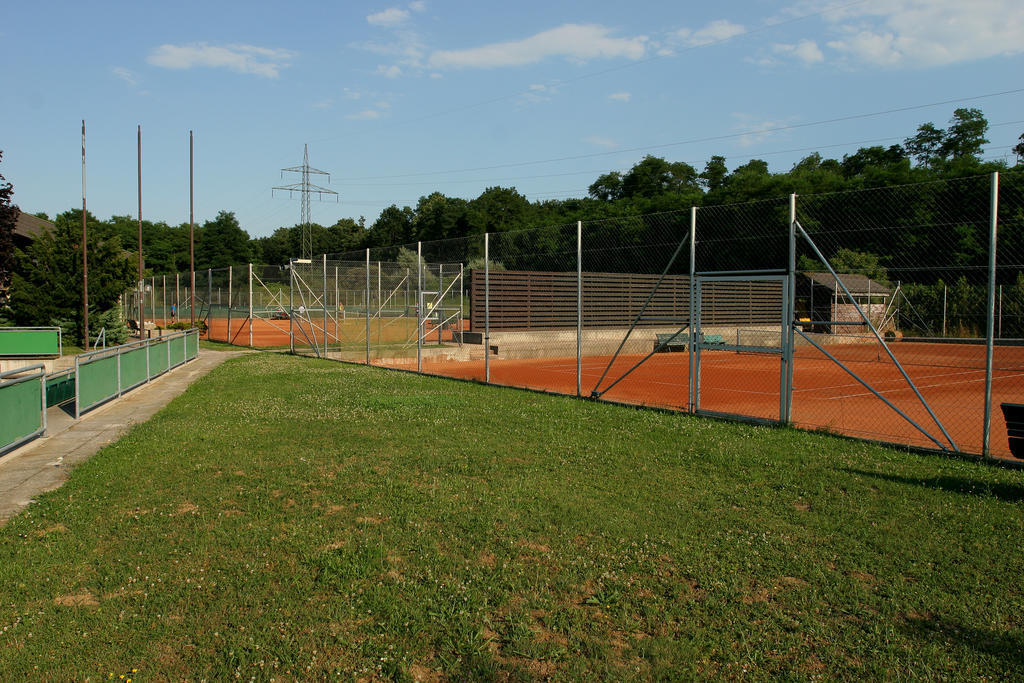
column 893, row 314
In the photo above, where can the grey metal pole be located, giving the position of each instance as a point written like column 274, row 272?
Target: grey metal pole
column 250, row 304
column 789, row 309
column 462, row 291
column 163, row 299
column 367, row 312
column 209, row 300
column 990, row 331
column 487, row 307
column 692, row 333
column 291, row 305
column 419, row 306
column 440, row 290
column 325, row 305
column 230, row 274
column 945, row 292
column 579, row 308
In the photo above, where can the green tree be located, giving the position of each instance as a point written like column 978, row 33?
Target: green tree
column 392, row 227
column 8, row 220
column 965, row 136
column 653, row 176
column 607, row 187
column 439, row 217
column 223, row 243
column 714, row 173
column 1018, row 149
column 47, row 285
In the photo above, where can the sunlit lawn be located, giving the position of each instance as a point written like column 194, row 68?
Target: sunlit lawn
column 294, row 518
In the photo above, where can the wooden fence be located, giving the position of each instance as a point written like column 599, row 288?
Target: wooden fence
column 536, row 300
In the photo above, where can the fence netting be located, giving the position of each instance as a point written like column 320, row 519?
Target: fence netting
column 870, row 313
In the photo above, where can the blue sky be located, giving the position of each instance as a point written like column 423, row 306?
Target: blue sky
column 397, row 100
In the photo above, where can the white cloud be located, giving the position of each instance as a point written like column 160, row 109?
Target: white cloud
column 620, row 97
column 389, row 17
column 249, row 59
column 365, row 115
column 125, row 75
column 326, row 103
column 925, row 33
column 806, row 51
column 714, row 32
column 418, row 6
column 599, row 141
column 392, row 71
column 576, row 42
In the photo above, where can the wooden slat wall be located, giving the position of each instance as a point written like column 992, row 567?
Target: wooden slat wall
column 528, row 300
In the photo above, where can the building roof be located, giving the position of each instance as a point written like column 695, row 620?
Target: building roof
column 30, row 227
column 857, row 284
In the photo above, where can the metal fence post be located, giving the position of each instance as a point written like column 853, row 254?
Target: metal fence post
column 990, row 309
column 579, row 308
column 487, row 307
column 694, row 379
column 789, row 314
column 325, row 305
column 291, row 305
column 367, row 312
column 209, row 300
column 230, row 274
column 250, row 304
column 419, row 305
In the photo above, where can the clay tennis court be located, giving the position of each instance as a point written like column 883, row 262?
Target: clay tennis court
column 950, row 377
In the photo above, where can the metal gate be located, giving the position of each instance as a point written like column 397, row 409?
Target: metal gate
column 735, row 372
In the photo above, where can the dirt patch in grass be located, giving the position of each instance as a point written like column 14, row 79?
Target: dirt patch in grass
column 84, row 599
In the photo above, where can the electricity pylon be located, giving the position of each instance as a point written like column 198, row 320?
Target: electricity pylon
column 305, row 188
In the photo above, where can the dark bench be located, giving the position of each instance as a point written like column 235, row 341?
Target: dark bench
column 680, row 342
column 1014, row 415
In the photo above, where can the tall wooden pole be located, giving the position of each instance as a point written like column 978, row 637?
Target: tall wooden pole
column 142, row 307
column 85, row 259
column 191, row 236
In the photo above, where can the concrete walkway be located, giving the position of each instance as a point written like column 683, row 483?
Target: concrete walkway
column 43, row 464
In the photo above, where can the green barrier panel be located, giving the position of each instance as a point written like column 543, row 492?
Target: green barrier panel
column 22, row 342
column 60, row 389
column 21, row 414
column 177, row 351
column 192, row 345
column 97, row 382
column 157, row 358
column 133, row 368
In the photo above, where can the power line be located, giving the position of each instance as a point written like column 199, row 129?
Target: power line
column 713, row 138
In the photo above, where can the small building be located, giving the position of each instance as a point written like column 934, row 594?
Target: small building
column 28, row 228
column 820, row 298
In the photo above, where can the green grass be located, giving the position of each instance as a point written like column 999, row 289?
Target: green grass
column 296, row 518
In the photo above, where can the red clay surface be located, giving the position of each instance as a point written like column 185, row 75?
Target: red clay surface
column 949, row 377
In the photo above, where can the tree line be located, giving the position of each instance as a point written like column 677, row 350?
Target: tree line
column 43, row 283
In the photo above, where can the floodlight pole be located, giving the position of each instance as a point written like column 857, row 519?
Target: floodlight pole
column 142, row 313
column 191, row 236
column 366, row 312
column 85, row 258
column 990, row 309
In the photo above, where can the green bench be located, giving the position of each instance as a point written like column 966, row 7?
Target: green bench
column 679, row 342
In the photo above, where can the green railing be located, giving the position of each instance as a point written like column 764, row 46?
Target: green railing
column 30, row 341
column 22, row 405
column 60, row 387
column 108, row 373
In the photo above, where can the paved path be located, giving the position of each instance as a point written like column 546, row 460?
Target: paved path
column 43, row 464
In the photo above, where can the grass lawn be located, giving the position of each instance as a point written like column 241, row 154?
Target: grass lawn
column 294, row 518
